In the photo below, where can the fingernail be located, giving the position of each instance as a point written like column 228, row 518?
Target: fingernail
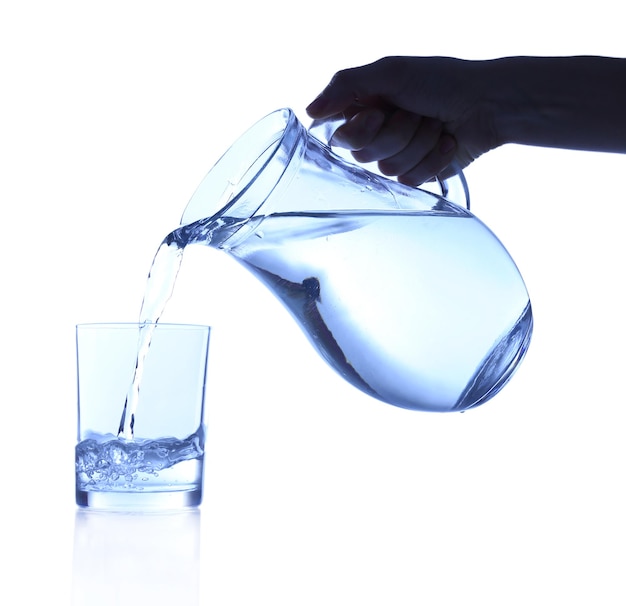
column 337, row 141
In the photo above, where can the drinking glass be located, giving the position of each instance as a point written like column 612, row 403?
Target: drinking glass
column 141, row 432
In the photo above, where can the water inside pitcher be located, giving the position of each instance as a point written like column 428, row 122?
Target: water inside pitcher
column 407, row 295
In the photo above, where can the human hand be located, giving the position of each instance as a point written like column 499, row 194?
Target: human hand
column 417, row 117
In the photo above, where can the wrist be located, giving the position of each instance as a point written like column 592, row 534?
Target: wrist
column 515, row 102
column 566, row 102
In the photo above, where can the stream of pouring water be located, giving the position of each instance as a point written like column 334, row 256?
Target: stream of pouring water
column 159, row 288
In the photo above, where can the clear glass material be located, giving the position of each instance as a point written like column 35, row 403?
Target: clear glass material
column 159, row 466
column 407, row 295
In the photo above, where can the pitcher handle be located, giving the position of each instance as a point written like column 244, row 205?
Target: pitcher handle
column 453, row 188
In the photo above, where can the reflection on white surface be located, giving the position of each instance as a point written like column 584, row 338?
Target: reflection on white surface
column 124, row 558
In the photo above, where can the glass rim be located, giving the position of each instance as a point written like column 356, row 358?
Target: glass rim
column 135, row 325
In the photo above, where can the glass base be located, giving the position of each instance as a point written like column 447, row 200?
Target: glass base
column 139, row 501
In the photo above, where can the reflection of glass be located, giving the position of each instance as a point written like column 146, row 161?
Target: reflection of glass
column 151, row 459
column 132, row 558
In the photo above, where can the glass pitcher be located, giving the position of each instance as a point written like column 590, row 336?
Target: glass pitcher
column 407, row 295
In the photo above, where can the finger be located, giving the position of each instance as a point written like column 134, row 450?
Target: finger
column 434, row 164
column 424, row 140
column 394, row 135
column 360, row 130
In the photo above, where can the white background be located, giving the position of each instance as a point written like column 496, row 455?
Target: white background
column 111, row 113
